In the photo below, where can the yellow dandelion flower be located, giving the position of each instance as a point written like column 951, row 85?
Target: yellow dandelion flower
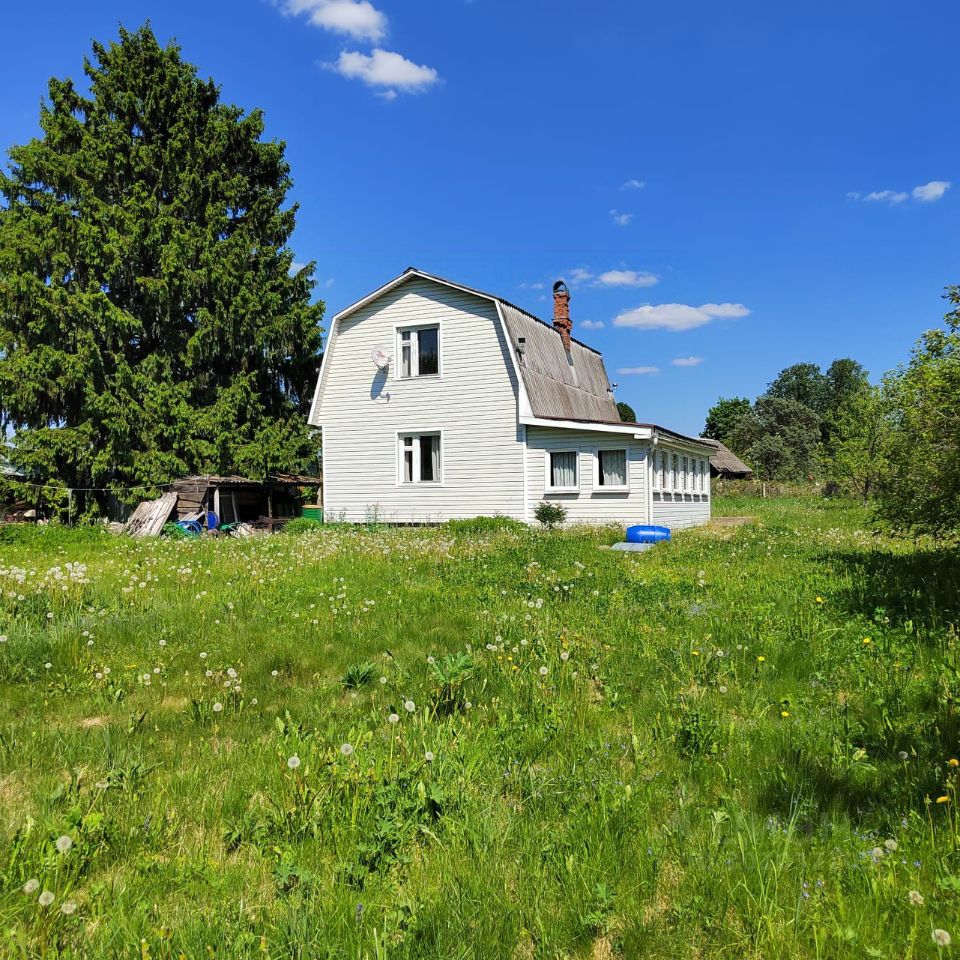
column 696, row 653
column 867, row 640
column 819, row 599
column 953, row 762
column 943, row 799
column 784, row 713
column 761, row 659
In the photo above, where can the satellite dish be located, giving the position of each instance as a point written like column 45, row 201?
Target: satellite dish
column 380, row 358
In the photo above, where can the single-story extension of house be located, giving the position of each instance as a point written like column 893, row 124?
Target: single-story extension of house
column 438, row 401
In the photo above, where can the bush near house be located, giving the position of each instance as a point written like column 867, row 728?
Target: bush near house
column 404, row 744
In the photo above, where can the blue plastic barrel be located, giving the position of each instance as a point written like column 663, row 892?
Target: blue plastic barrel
column 647, row 534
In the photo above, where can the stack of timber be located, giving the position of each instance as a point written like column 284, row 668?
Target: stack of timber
column 149, row 518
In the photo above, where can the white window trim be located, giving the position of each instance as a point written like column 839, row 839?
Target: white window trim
column 419, row 432
column 398, row 329
column 620, row 488
column 547, row 488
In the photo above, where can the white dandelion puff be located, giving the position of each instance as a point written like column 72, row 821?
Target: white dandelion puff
column 45, row 898
column 64, row 843
column 346, row 749
column 916, row 898
column 217, row 707
column 293, row 762
column 393, row 718
column 543, row 671
column 68, row 907
column 31, row 886
column 941, row 938
column 409, row 706
column 428, row 756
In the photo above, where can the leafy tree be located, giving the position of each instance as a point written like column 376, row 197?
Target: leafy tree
column 724, row 416
column 780, row 438
column 920, row 489
column 626, row 412
column 845, row 379
column 860, row 439
column 802, row 383
column 151, row 321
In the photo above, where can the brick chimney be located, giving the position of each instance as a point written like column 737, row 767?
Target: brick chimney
column 561, row 313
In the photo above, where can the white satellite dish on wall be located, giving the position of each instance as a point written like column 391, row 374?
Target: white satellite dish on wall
column 380, row 357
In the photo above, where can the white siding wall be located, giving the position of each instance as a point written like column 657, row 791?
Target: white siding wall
column 590, row 505
column 681, row 509
column 473, row 402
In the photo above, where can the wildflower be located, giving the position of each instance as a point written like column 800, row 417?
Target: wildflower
column 67, row 907
column 696, row 653
column 293, row 762
column 941, row 938
column 31, row 886
column 431, row 660
column 916, row 898
column 217, row 707
column 891, row 845
column 428, row 756
column 274, row 673
column 409, row 706
column 722, row 688
column 819, row 599
column 761, row 658
column 953, row 762
column 64, row 843
column 565, row 656
column 203, row 656
column 45, row 898
column 943, row 799
column 47, row 666
column 393, row 718
column 784, row 713
column 903, row 755
column 543, row 671
column 876, row 853
column 346, row 749
column 383, row 679
column 3, row 638
column 867, row 640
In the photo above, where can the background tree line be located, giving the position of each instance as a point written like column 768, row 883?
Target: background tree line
column 895, row 443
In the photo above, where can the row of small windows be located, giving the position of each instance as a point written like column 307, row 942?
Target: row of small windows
column 673, row 472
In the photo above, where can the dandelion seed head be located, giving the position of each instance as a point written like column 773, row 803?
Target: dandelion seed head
column 45, row 898
column 393, row 718
column 64, row 843
column 941, row 938
column 428, row 756
column 68, row 907
column 217, row 707
column 916, row 898
column 31, row 886
column 409, row 706
column 293, row 762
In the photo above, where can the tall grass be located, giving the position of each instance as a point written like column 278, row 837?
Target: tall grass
column 481, row 742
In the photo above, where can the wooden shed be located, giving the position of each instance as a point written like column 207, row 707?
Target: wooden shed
column 267, row 504
column 725, row 464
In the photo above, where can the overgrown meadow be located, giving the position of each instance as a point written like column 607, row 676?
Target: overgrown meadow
column 474, row 743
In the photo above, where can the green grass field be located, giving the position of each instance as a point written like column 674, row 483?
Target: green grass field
column 444, row 744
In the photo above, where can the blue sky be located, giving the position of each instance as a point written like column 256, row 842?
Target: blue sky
column 739, row 186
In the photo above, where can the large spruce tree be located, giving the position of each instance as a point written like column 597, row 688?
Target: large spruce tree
column 151, row 322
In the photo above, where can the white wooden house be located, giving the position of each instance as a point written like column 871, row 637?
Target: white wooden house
column 437, row 401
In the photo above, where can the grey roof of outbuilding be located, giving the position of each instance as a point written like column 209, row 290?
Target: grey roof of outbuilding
column 726, row 461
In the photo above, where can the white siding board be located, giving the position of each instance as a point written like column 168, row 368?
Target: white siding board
column 589, row 505
column 473, row 403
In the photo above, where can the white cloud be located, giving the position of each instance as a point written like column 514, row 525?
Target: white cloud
column 295, row 268
column 932, row 191
column 633, row 185
column 678, row 316
column 355, row 18
column 621, row 219
column 592, row 324
column 885, row 196
column 580, row 275
column 687, row 361
column 531, row 286
column 637, row 371
column 626, row 278
column 386, row 72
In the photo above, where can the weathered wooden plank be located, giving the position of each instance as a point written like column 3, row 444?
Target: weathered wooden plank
column 150, row 516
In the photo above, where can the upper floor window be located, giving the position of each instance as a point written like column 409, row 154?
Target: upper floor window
column 419, row 351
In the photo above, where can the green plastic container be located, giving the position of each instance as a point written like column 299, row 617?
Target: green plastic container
column 313, row 513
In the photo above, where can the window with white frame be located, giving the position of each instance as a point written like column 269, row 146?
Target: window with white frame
column 686, row 475
column 419, row 351
column 420, row 458
column 611, row 470
column 706, row 476
column 563, row 470
column 697, row 475
column 675, row 473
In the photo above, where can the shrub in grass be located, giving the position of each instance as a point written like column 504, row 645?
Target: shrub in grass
column 550, row 515
column 358, row 675
column 303, row 525
column 477, row 526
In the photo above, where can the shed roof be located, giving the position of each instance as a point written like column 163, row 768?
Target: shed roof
column 724, row 460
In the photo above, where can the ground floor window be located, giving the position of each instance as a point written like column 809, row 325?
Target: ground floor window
column 420, row 458
column 611, row 469
column 562, row 470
